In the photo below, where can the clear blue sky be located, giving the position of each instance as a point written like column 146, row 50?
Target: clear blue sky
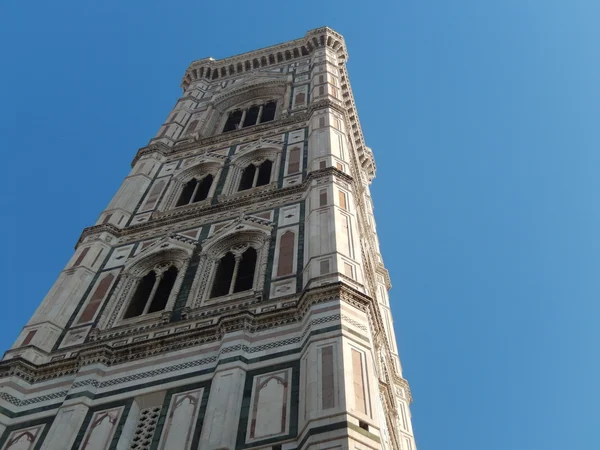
column 483, row 117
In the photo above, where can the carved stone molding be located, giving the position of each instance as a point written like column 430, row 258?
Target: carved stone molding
column 102, row 351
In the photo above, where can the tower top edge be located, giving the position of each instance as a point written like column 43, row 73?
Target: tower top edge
column 285, row 44
column 315, row 38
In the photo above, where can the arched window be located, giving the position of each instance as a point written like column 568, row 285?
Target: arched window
column 235, row 273
column 264, row 173
column 233, row 120
column 151, row 293
column 195, row 190
column 268, row 112
column 254, row 176
column 252, row 115
column 247, row 180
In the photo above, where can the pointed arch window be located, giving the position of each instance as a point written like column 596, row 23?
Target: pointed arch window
column 195, row 190
column 252, row 115
column 151, row 293
column 235, row 273
column 256, row 175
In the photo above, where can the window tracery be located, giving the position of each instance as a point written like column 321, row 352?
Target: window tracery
column 195, row 190
column 233, row 265
column 192, row 185
column 235, row 272
column 253, row 169
column 152, row 291
column 256, row 174
column 148, row 285
column 252, row 115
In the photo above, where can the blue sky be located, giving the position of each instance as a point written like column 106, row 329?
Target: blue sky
column 483, row 117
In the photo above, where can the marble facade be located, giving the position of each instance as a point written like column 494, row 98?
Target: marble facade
column 297, row 351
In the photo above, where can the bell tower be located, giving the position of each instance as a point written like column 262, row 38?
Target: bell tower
column 232, row 295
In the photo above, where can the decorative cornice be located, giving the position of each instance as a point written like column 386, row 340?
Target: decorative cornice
column 209, row 69
column 207, row 212
column 103, row 352
column 225, row 139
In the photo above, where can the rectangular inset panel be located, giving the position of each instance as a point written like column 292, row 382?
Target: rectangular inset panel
column 324, row 267
column 75, row 337
column 270, row 405
column 119, row 256
column 294, row 160
column 289, row 215
column 296, row 136
column 24, row 439
column 29, row 337
column 141, row 218
column 324, row 231
column 348, row 270
column 154, row 195
column 327, row 378
column 281, row 288
column 100, row 292
column 81, row 256
column 345, row 242
column 323, row 197
column 360, row 404
column 101, row 429
column 179, row 427
column 342, row 197
column 285, row 263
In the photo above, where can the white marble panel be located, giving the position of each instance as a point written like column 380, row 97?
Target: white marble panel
column 24, row 439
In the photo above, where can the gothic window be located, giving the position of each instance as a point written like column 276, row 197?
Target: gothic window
column 152, row 292
column 235, row 273
column 233, row 120
column 256, row 175
column 195, row 190
column 253, row 115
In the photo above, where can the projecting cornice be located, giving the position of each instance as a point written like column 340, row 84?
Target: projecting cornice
column 217, row 69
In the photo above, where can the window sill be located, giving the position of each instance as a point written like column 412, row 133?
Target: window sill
column 219, row 305
column 248, row 192
column 150, row 317
column 184, row 208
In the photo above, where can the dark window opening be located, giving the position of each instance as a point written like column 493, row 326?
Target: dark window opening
column 251, row 116
column 268, row 112
column 203, row 189
column 141, row 296
column 223, row 276
column 245, row 275
column 233, row 121
column 363, row 425
column 188, row 191
column 161, row 297
column 247, row 180
column 264, row 173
